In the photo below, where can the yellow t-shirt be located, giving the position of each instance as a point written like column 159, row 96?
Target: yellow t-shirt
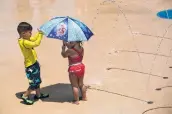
column 27, row 48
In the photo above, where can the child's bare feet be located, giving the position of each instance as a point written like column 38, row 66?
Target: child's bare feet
column 83, row 98
column 75, row 102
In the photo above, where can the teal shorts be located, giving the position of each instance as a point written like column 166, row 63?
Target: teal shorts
column 33, row 75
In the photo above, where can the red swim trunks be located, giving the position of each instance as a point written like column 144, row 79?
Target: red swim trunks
column 78, row 69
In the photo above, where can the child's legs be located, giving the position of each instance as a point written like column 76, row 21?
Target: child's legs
column 74, row 83
column 38, row 91
column 27, row 93
column 33, row 75
column 82, row 87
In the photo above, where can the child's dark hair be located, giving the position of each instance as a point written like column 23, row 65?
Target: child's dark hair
column 23, row 27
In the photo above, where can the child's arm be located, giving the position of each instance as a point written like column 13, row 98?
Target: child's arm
column 65, row 53
column 36, row 36
column 33, row 38
column 32, row 44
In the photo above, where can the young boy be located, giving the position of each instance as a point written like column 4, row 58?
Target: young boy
column 32, row 67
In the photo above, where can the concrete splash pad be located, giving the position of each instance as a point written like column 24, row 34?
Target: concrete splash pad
column 129, row 39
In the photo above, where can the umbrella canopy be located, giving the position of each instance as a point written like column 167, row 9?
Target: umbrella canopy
column 66, row 29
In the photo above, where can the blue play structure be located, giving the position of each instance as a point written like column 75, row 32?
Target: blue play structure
column 165, row 14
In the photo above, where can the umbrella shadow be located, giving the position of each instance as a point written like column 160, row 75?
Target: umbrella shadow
column 60, row 92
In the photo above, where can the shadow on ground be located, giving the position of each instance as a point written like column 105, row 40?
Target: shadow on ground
column 58, row 93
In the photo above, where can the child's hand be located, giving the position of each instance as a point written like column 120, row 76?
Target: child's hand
column 40, row 31
column 63, row 47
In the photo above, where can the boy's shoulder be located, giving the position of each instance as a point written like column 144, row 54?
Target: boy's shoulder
column 20, row 41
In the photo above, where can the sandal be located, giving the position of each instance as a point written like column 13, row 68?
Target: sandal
column 42, row 96
column 26, row 100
